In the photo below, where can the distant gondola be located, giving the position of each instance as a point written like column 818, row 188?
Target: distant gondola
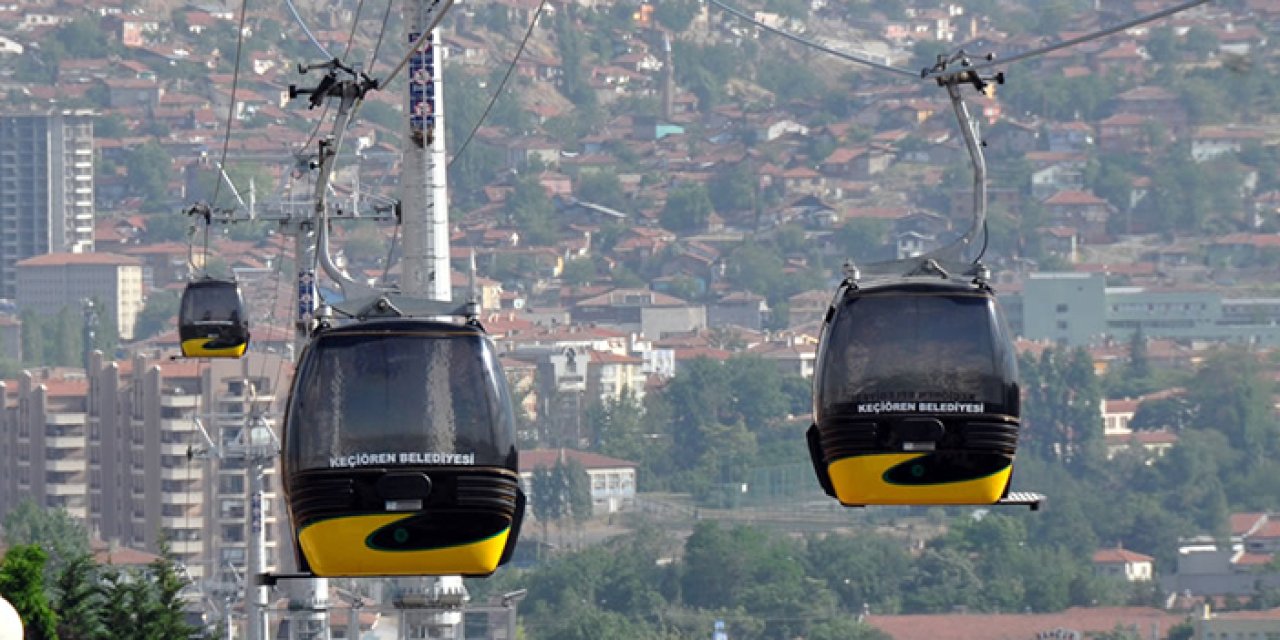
column 399, row 452
column 915, row 392
column 211, row 320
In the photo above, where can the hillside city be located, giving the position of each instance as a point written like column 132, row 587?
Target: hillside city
column 658, row 207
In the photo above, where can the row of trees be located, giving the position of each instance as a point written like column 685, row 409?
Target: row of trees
column 651, row 584
column 716, row 423
column 50, row 577
column 60, row 340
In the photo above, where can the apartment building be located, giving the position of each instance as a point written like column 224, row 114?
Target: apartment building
column 150, row 449
column 45, row 434
column 49, row 282
column 46, row 187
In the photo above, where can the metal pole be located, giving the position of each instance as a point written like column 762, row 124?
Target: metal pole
column 258, row 597
column 424, row 268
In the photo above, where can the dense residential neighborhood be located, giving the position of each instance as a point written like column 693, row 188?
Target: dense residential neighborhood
column 658, row 206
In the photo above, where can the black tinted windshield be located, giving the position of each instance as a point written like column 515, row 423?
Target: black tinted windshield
column 211, row 302
column 379, row 399
column 915, row 347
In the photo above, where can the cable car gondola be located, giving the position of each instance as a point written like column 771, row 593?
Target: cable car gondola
column 915, row 391
column 399, row 452
column 212, row 322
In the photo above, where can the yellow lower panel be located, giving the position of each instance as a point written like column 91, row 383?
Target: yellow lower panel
column 860, row 480
column 337, row 547
column 195, row 348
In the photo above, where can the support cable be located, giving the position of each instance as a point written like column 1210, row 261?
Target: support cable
column 231, row 109
column 377, row 47
column 355, row 24
column 501, row 85
column 311, row 36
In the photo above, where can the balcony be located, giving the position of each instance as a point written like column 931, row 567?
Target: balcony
column 181, row 425
column 184, row 498
column 67, row 489
column 174, row 449
column 182, row 401
column 181, row 473
column 66, row 442
column 182, row 522
column 191, row 547
column 63, row 419
column 65, row 465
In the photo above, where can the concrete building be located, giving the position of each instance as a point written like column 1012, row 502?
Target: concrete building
column 45, row 436
column 1127, row 565
column 641, row 310
column 46, row 188
column 1078, row 309
column 1237, row 625
column 47, row 283
column 613, row 481
column 128, row 449
column 1063, row 307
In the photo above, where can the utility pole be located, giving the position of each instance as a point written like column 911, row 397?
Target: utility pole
column 258, row 449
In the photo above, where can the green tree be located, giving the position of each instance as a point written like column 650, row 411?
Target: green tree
column 158, row 314
column 163, row 615
column 67, row 345
column 862, row 570
column 675, row 15
column 1061, row 412
column 1230, row 395
column 82, row 38
column 150, row 168
column 733, row 188
column 863, row 240
column 78, row 599
column 579, row 271
column 545, row 498
column 618, row 424
column 33, row 328
column 63, row 538
column 941, row 580
column 603, row 188
column 529, row 208
column 687, row 209
column 22, row 584
column 1162, row 44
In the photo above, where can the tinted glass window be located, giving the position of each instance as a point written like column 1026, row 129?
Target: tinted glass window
column 378, row 400
column 211, row 303
column 914, row 347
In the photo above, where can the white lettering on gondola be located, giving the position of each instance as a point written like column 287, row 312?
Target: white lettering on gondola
column 403, row 457
column 921, row 407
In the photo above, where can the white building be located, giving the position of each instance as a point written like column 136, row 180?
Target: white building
column 613, row 481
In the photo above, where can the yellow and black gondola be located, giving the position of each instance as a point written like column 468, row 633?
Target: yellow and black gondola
column 399, row 452
column 211, row 320
column 916, row 398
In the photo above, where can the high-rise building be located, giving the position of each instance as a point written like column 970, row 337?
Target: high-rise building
column 149, row 449
column 46, row 187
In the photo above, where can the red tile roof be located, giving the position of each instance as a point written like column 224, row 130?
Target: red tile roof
column 1119, row 555
column 996, row 626
column 1245, row 523
column 537, row 458
column 69, row 259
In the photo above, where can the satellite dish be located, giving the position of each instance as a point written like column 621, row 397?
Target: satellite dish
column 10, row 623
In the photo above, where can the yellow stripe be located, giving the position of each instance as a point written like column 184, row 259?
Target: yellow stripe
column 337, row 547
column 860, row 480
column 195, row 348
